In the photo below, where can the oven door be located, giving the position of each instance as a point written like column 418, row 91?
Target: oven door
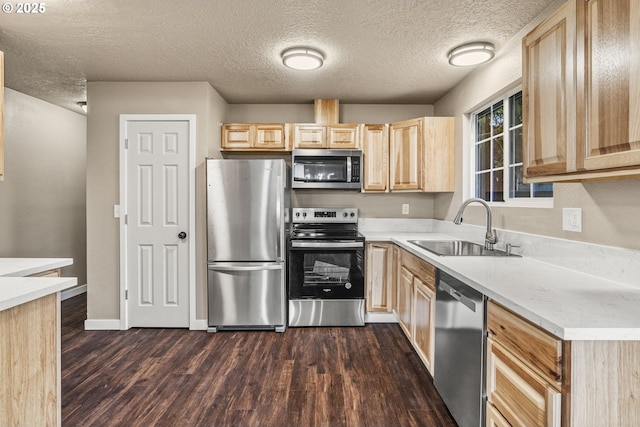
column 326, row 269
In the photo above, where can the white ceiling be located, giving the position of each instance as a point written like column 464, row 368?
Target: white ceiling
column 377, row 51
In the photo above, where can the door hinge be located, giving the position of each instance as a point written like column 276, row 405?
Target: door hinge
column 126, row 294
column 126, row 143
column 126, row 219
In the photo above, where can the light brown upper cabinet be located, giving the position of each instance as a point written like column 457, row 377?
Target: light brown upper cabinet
column 406, row 155
column 375, row 153
column 1, row 116
column 549, row 95
column 581, row 93
column 422, row 155
column 334, row 136
column 255, row 137
column 612, row 35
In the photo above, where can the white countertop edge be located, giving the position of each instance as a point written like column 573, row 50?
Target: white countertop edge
column 566, row 333
column 19, row 290
column 19, row 267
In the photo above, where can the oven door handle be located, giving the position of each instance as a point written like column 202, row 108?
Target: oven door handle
column 327, row 245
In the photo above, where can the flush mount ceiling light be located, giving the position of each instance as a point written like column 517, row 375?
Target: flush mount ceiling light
column 302, row 58
column 471, row 54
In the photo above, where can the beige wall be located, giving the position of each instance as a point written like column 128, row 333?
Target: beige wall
column 610, row 210
column 106, row 102
column 43, row 195
column 370, row 205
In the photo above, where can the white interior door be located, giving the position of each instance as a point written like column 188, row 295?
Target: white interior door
column 157, row 223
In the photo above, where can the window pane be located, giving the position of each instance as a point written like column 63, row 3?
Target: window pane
column 498, row 152
column 483, row 156
column 498, row 185
column 483, row 125
column 483, row 186
column 494, row 154
column 517, row 187
column 542, row 190
column 498, row 118
column 516, row 109
column 515, row 136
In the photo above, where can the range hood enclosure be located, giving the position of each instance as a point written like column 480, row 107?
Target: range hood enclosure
column 326, row 111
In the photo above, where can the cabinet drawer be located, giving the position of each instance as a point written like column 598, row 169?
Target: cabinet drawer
column 495, row 418
column 535, row 347
column 521, row 396
column 421, row 269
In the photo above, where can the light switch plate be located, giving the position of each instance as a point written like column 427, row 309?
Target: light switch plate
column 116, row 211
column 572, row 219
column 405, row 209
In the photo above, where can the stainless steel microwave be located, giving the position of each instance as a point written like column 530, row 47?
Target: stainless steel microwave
column 326, row 169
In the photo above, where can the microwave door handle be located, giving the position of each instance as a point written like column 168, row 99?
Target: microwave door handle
column 348, row 168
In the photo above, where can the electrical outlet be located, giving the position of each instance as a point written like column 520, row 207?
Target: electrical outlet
column 572, row 219
column 116, row 211
column 405, row 209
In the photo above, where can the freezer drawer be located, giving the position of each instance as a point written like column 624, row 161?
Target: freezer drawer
column 246, row 296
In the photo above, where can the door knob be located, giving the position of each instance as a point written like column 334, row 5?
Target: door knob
column 182, row 235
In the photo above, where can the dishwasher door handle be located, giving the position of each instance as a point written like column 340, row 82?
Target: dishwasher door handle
column 459, row 297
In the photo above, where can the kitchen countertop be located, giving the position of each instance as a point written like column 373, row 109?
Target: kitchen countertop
column 15, row 289
column 569, row 304
column 19, row 290
column 19, row 267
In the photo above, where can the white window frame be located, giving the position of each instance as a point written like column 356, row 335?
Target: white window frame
column 469, row 158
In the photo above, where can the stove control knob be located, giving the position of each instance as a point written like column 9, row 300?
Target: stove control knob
column 304, row 214
column 345, row 214
column 352, row 214
column 297, row 214
column 347, row 285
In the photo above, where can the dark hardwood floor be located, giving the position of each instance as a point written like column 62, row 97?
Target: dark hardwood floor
column 304, row 377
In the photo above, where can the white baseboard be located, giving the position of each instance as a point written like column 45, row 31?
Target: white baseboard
column 199, row 325
column 380, row 318
column 72, row 292
column 102, row 325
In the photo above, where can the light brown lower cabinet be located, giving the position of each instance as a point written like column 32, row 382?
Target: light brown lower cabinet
column 424, row 299
column 405, row 297
column 30, row 390
column 537, row 379
column 48, row 273
column 524, row 371
column 495, row 418
column 416, row 304
column 379, row 276
column 521, row 396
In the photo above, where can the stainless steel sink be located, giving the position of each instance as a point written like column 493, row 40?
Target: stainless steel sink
column 457, row 248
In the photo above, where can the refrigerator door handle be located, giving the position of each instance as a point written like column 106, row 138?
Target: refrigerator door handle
column 244, row 267
column 279, row 202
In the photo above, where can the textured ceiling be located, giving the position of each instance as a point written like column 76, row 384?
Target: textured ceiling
column 377, row 51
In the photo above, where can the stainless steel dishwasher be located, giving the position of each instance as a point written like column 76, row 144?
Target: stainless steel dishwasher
column 460, row 350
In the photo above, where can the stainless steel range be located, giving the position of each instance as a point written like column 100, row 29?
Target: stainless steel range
column 326, row 268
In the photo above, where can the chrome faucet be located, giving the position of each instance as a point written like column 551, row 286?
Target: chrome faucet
column 490, row 238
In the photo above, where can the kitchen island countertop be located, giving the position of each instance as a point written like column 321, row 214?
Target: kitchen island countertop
column 19, row 290
column 567, row 303
column 18, row 267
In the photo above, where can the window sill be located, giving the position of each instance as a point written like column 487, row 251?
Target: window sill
column 543, row 204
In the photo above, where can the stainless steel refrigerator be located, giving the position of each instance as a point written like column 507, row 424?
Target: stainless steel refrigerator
column 247, row 204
